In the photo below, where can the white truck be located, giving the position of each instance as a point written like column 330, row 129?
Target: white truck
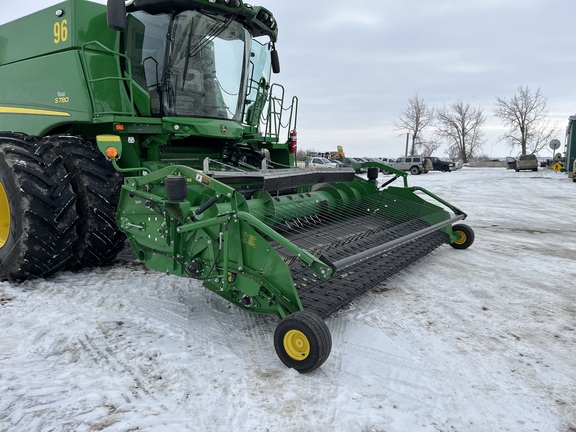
column 317, row 162
column 415, row 164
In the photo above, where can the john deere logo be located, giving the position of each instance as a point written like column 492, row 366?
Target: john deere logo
column 223, row 129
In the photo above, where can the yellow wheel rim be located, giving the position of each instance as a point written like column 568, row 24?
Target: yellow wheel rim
column 4, row 216
column 296, row 345
column 462, row 239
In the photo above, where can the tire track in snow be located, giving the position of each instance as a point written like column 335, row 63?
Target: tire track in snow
column 409, row 382
column 215, row 325
column 256, row 341
column 114, row 362
column 197, row 322
column 413, row 379
column 480, row 334
column 217, row 328
column 5, row 298
column 459, row 385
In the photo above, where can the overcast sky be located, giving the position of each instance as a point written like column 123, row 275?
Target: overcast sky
column 354, row 65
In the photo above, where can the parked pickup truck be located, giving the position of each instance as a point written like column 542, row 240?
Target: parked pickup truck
column 527, row 162
column 317, row 162
column 415, row 164
column 440, row 165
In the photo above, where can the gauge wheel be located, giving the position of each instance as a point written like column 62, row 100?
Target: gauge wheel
column 415, row 170
column 37, row 212
column 302, row 341
column 465, row 236
column 97, row 186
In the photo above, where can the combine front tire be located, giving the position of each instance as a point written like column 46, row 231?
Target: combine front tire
column 37, row 212
column 97, row 187
column 466, row 236
column 303, row 341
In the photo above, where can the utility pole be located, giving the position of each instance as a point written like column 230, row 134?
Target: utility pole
column 407, row 139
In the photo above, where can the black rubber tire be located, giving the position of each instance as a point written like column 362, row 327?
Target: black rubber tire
column 445, row 169
column 415, row 170
column 97, row 186
column 466, row 236
column 303, row 330
column 38, row 214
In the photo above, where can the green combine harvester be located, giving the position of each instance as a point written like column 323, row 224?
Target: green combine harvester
column 156, row 122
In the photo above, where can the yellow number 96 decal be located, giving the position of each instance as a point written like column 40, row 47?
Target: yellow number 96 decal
column 60, row 31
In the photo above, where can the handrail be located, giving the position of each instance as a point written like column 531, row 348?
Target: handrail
column 293, row 119
column 455, row 209
column 274, row 114
column 90, row 80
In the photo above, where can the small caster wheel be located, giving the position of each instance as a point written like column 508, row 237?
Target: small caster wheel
column 302, row 341
column 466, row 236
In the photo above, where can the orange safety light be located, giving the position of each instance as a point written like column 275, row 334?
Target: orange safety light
column 119, row 127
column 111, row 152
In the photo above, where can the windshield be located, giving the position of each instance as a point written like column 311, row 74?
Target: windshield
column 203, row 74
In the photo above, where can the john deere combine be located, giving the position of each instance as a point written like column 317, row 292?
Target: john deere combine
column 157, row 121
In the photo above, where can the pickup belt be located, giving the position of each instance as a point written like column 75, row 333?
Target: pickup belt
column 328, row 296
column 365, row 247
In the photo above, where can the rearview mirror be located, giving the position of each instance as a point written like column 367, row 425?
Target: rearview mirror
column 275, row 61
column 116, row 14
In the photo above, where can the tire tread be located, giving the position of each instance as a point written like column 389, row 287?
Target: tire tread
column 43, row 215
column 97, row 186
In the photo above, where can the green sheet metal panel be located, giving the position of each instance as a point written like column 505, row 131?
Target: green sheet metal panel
column 46, row 73
column 42, row 93
column 78, row 22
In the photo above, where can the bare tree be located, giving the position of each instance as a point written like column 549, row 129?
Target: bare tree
column 428, row 147
column 453, row 153
column 461, row 125
column 525, row 114
column 303, row 154
column 414, row 118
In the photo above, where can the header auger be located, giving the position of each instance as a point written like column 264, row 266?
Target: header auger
column 175, row 145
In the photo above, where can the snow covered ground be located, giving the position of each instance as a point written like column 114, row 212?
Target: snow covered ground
column 477, row 340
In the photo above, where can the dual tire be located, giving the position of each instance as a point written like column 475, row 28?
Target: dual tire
column 58, row 198
column 97, row 187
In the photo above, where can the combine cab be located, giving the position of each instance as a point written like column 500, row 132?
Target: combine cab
column 174, row 143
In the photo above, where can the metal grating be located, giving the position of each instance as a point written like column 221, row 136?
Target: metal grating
column 362, row 224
